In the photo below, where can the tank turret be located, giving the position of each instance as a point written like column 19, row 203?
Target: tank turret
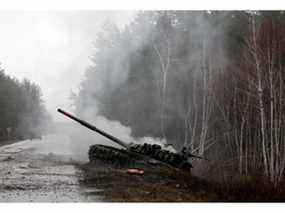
column 131, row 152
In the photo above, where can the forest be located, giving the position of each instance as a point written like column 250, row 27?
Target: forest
column 22, row 110
column 211, row 81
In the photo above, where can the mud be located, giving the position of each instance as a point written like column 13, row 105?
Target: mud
column 36, row 171
column 157, row 184
column 48, row 171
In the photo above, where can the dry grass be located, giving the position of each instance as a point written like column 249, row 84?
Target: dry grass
column 160, row 185
column 156, row 185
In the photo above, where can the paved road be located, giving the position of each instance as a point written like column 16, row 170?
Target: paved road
column 41, row 171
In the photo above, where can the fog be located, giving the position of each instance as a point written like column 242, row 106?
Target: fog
column 52, row 48
column 207, row 83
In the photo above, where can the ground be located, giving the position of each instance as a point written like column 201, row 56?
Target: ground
column 46, row 171
column 29, row 173
column 39, row 171
column 155, row 185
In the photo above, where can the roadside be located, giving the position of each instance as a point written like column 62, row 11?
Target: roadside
column 154, row 185
column 30, row 173
column 7, row 142
column 46, row 171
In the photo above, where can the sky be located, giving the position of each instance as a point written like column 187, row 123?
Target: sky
column 52, row 49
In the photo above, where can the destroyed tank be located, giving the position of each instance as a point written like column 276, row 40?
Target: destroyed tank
column 132, row 153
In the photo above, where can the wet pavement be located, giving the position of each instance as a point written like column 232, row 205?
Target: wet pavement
column 51, row 170
column 41, row 171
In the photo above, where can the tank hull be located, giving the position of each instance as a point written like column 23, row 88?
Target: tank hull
column 140, row 155
column 131, row 152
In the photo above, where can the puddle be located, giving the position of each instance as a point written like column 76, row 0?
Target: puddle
column 39, row 171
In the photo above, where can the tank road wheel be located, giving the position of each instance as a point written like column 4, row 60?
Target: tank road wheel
column 121, row 157
column 111, row 155
column 186, row 166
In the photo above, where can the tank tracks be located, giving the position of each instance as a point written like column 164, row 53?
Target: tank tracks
column 122, row 157
column 156, row 152
column 110, row 155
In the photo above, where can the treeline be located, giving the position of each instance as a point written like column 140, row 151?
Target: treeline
column 211, row 81
column 22, row 112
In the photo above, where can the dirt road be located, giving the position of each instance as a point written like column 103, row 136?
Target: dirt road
column 41, row 171
column 47, row 170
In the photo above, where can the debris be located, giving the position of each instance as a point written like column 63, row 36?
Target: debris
column 135, row 171
column 23, row 166
column 153, row 162
column 8, row 158
column 33, row 166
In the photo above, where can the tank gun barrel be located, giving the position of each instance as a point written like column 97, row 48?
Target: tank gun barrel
column 93, row 128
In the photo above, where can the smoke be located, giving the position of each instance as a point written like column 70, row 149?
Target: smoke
column 104, row 78
column 81, row 138
column 59, row 46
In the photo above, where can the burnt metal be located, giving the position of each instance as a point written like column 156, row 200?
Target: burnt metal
column 131, row 152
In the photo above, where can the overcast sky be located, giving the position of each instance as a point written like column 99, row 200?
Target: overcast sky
column 52, row 48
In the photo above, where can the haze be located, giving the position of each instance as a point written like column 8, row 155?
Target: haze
column 52, row 48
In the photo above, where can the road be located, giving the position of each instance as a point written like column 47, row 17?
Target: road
column 41, row 171
column 48, row 170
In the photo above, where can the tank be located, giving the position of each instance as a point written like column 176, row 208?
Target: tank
column 130, row 153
